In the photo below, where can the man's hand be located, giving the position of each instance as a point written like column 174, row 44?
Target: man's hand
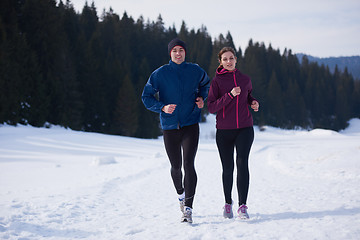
column 200, row 102
column 170, row 108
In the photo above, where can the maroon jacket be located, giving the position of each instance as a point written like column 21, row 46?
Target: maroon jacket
column 231, row 112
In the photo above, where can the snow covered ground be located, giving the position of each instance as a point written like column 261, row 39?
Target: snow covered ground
column 62, row 184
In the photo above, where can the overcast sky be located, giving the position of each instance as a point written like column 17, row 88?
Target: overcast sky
column 321, row 28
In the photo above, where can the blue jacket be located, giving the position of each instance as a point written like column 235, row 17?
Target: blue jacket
column 178, row 84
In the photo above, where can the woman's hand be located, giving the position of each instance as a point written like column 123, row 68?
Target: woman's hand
column 255, row 105
column 235, row 91
column 170, row 108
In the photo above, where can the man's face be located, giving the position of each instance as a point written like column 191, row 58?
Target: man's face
column 177, row 54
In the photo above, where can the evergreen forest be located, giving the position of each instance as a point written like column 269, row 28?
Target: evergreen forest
column 86, row 72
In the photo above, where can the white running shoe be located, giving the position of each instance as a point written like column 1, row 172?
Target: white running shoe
column 187, row 216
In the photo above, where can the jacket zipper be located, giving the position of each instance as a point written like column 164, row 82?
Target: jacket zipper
column 237, row 104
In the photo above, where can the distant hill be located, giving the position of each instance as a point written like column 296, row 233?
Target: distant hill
column 352, row 63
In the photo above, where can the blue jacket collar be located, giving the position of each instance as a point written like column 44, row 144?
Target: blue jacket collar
column 175, row 65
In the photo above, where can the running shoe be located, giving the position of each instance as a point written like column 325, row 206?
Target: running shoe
column 242, row 211
column 187, row 216
column 228, row 213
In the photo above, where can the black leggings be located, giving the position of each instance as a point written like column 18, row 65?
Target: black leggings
column 241, row 139
column 185, row 139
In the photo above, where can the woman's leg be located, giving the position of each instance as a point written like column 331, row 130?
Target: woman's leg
column 225, row 144
column 243, row 144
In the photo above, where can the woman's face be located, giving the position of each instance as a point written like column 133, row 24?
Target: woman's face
column 177, row 54
column 228, row 61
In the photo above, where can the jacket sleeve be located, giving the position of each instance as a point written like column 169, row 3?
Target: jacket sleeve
column 204, row 86
column 215, row 101
column 148, row 95
column 250, row 97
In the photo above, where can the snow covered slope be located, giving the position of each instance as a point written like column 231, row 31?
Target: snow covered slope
column 62, row 184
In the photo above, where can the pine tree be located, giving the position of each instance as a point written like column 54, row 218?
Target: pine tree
column 229, row 41
column 218, row 44
column 343, row 104
column 126, row 112
column 294, row 106
column 22, row 95
column 274, row 106
column 148, row 121
column 356, row 99
column 255, row 67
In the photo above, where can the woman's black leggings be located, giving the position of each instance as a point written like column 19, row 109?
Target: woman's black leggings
column 241, row 139
column 178, row 142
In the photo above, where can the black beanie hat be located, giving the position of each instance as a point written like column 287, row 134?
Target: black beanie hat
column 176, row 42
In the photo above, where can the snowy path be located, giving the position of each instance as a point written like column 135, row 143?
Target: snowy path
column 61, row 184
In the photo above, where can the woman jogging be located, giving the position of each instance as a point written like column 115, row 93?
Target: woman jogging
column 230, row 98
